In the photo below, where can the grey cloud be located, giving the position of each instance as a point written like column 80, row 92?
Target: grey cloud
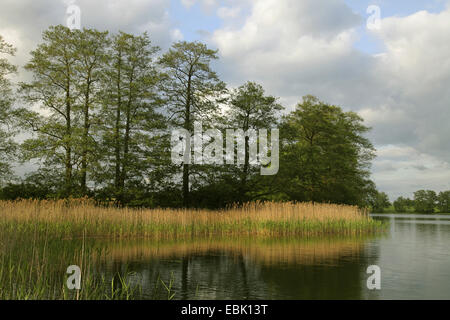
column 420, row 167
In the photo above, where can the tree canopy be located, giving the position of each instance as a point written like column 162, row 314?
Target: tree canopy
column 7, row 144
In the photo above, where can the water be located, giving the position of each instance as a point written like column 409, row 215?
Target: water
column 414, row 257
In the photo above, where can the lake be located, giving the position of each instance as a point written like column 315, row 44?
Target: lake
column 413, row 255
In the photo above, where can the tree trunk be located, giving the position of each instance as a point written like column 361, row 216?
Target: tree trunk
column 84, row 160
column 244, row 175
column 68, row 161
column 117, row 132
column 126, row 146
column 186, row 166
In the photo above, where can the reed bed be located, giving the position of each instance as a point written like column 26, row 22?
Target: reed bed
column 40, row 239
column 69, row 219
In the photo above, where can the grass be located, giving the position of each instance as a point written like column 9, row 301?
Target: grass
column 40, row 239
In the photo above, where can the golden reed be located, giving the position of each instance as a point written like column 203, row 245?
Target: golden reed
column 82, row 217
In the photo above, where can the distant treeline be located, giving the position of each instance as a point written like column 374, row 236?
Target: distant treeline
column 425, row 201
column 99, row 109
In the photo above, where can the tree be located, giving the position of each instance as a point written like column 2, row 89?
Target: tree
column 425, row 201
column 401, row 205
column 91, row 58
column 7, row 145
column 250, row 109
column 130, row 100
column 324, row 155
column 192, row 91
column 53, row 89
column 379, row 202
column 443, row 202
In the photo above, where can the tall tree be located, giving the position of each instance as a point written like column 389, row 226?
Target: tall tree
column 192, row 90
column 250, row 109
column 90, row 64
column 129, row 114
column 7, row 145
column 53, row 89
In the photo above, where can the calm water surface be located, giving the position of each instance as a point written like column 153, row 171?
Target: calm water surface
column 414, row 257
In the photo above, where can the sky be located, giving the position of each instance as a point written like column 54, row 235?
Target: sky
column 392, row 68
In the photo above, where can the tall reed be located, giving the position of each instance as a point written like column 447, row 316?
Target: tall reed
column 77, row 218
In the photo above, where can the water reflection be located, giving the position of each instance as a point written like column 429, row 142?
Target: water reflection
column 413, row 255
column 244, row 268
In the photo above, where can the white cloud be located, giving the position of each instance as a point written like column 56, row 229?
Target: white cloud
column 299, row 47
column 207, row 5
column 176, row 35
column 188, row 3
column 228, row 12
column 415, row 70
column 413, row 77
column 290, row 46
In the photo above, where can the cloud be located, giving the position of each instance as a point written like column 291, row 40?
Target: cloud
column 188, row 3
column 292, row 47
column 23, row 21
column 176, row 35
column 228, row 12
column 400, row 170
column 416, row 71
column 299, row 47
column 206, row 5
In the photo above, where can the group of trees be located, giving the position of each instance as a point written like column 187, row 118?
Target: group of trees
column 99, row 111
column 425, row 201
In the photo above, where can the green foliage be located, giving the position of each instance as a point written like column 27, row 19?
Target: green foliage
column 192, row 92
column 54, row 88
column 324, row 155
column 249, row 109
column 379, row 201
column 128, row 144
column 425, row 201
column 402, row 205
column 7, row 145
column 443, row 202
